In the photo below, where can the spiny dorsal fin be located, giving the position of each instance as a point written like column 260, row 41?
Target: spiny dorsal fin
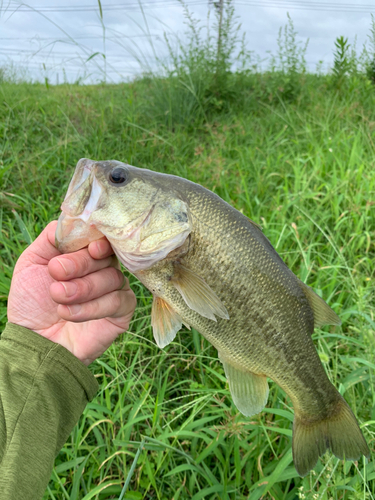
column 258, row 226
column 323, row 314
column 249, row 391
column 197, row 294
column 165, row 322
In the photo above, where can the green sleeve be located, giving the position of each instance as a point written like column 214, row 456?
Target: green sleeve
column 43, row 391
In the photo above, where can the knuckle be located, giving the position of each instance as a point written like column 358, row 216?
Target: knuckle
column 84, row 262
column 120, row 279
column 91, row 309
column 86, row 286
column 129, row 301
column 116, row 301
column 116, row 278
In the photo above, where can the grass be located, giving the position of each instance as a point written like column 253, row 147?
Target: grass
column 163, row 424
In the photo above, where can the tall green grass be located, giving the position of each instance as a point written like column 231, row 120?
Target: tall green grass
column 302, row 165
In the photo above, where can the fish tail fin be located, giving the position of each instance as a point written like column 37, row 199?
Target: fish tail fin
column 339, row 432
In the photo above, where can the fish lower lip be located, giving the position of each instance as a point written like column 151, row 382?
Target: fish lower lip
column 72, row 234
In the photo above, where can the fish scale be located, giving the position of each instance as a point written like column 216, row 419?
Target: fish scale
column 211, row 268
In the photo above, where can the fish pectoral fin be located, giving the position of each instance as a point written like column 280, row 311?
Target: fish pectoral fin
column 323, row 314
column 197, row 294
column 165, row 322
column 249, row 391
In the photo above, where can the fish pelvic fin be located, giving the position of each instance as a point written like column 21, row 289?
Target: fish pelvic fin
column 340, row 433
column 197, row 294
column 249, row 391
column 165, row 322
column 323, row 314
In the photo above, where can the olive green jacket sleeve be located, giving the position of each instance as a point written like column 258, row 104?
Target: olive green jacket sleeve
column 43, row 391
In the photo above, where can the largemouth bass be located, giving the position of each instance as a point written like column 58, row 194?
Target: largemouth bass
column 211, row 268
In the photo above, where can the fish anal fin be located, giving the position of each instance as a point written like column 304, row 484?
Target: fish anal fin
column 340, row 433
column 249, row 391
column 323, row 314
column 165, row 322
column 197, row 294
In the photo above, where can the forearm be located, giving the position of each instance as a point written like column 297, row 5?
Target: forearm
column 43, row 391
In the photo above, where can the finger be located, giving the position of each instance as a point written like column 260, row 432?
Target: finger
column 118, row 304
column 100, row 249
column 89, row 287
column 77, row 264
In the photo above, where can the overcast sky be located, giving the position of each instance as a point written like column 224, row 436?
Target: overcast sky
column 56, row 38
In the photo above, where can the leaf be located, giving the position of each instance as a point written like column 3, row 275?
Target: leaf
column 25, row 233
column 129, row 476
column 94, row 55
column 100, row 488
column 276, row 476
column 217, row 488
column 348, row 360
column 282, row 413
column 279, row 430
column 69, row 465
column 182, row 468
column 100, row 9
column 4, row 285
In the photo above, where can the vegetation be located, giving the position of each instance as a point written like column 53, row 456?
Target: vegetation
column 294, row 152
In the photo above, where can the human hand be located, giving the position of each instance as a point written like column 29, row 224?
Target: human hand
column 48, row 287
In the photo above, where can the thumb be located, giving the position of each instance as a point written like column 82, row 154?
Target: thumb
column 44, row 245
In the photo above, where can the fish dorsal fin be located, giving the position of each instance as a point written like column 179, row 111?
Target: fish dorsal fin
column 165, row 322
column 197, row 294
column 323, row 314
column 258, row 226
column 249, row 391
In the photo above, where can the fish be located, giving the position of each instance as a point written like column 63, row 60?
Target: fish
column 211, row 268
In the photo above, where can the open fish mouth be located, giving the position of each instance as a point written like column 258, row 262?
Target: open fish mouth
column 69, row 205
column 74, row 230
column 142, row 224
column 83, row 171
column 72, row 234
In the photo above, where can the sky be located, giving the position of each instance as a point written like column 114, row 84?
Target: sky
column 67, row 40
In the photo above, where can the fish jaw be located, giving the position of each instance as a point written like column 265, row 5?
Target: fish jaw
column 142, row 220
column 74, row 228
column 82, row 172
column 73, row 233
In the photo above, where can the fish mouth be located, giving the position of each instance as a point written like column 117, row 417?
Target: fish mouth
column 74, row 230
column 72, row 233
column 83, row 171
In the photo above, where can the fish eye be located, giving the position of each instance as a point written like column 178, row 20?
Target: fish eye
column 118, row 176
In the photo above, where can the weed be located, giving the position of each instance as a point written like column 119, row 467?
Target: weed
column 342, row 65
column 198, row 78
column 370, row 62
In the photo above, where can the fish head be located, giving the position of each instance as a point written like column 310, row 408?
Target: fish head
column 141, row 214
